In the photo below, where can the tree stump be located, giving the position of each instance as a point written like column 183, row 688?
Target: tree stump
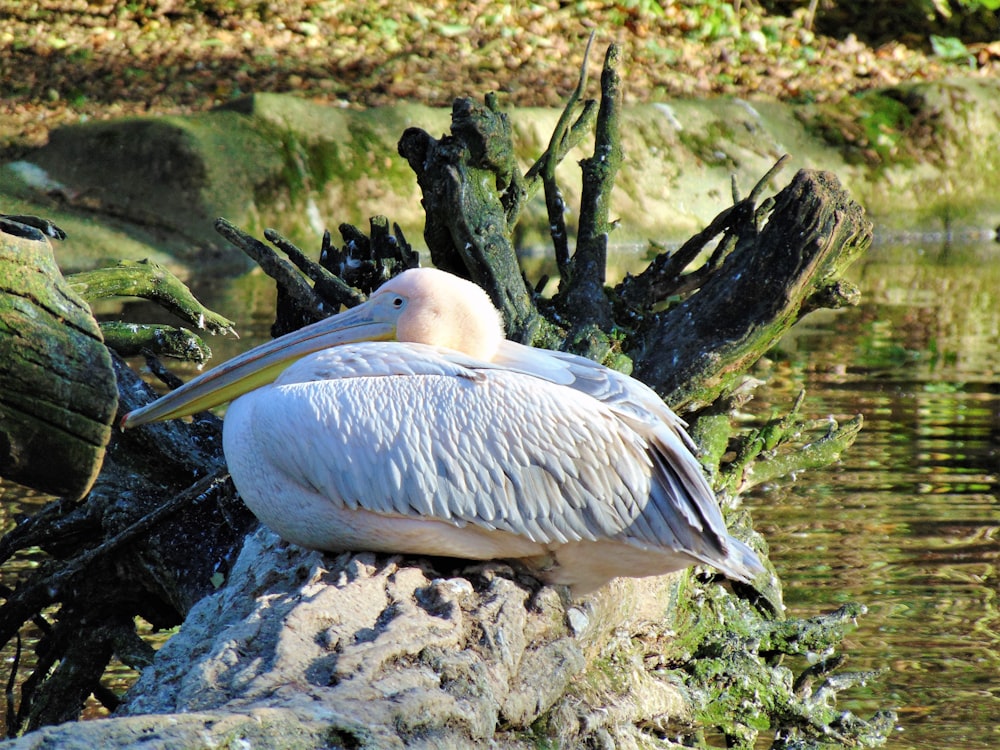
column 769, row 280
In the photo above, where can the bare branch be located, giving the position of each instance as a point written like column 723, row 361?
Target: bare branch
column 582, row 286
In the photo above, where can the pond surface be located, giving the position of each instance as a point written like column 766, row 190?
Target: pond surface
column 907, row 523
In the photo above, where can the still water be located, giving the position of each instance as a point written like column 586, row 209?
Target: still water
column 907, row 522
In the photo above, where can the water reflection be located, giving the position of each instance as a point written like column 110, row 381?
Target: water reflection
column 907, row 522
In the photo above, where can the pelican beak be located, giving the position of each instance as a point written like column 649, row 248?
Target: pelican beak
column 262, row 364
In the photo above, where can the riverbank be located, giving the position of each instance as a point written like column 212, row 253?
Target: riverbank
column 921, row 158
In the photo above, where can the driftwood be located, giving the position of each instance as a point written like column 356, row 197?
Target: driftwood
column 370, row 651
column 57, row 390
column 153, row 282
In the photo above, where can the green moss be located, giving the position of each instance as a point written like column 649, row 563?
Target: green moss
column 878, row 128
column 614, row 671
column 730, row 658
column 710, row 143
column 369, row 149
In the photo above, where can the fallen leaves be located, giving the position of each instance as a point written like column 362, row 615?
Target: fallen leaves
column 63, row 60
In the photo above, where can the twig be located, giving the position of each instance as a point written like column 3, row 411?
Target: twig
column 161, row 373
column 554, row 204
column 11, row 710
column 328, row 285
column 47, row 588
column 131, row 339
column 582, row 286
column 309, row 304
column 822, row 452
column 664, row 277
column 768, row 176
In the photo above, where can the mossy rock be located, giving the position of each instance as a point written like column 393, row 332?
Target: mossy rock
column 919, row 157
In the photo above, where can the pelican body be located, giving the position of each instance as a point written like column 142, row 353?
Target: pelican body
column 409, row 424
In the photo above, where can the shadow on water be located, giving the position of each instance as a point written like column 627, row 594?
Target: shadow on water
column 907, row 522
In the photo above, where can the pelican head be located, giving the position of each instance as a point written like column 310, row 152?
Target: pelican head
column 437, row 308
column 421, row 305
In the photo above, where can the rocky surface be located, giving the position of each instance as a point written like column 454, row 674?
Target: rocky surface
column 306, row 650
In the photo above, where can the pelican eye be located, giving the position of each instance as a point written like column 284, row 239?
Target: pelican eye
column 397, row 302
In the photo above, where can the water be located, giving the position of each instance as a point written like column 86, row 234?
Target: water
column 907, row 522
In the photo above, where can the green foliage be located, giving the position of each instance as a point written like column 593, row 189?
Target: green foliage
column 873, row 127
column 952, row 49
column 644, row 7
column 884, row 123
column 977, row 5
column 717, row 19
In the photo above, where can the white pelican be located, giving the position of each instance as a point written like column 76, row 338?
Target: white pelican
column 409, row 424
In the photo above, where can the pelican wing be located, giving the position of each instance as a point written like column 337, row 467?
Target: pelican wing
column 623, row 393
column 680, row 492
column 415, row 431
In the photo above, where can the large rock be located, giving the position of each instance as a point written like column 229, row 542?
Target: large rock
column 306, row 650
column 918, row 157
